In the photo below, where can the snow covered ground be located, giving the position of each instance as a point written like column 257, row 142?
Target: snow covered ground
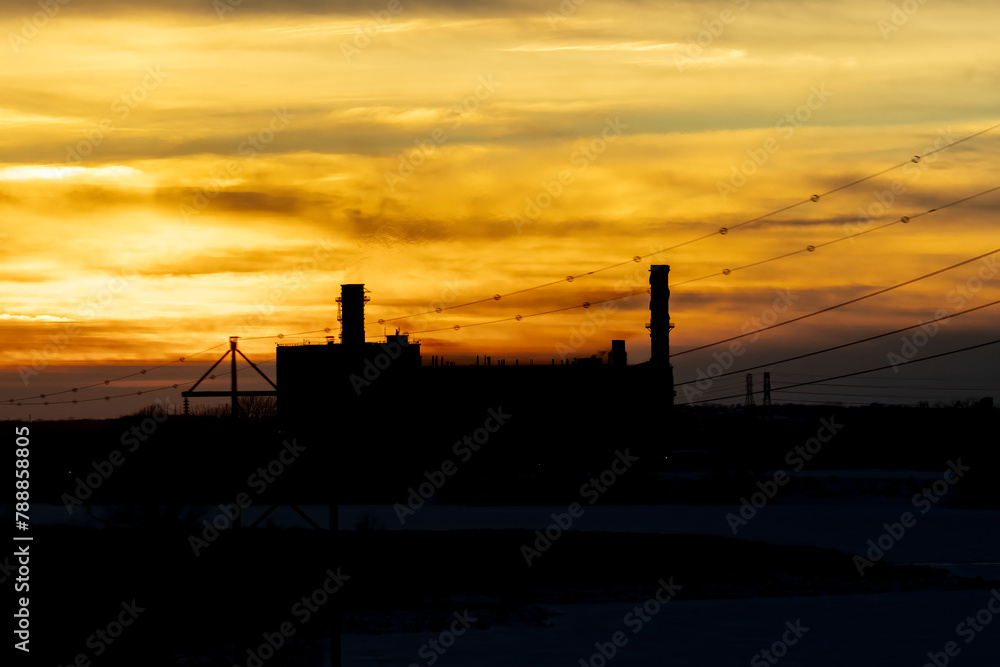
column 884, row 630
column 967, row 541
column 879, row 629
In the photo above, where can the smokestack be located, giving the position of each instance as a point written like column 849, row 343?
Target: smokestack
column 660, row 326
column 352, row 314
column 659, row 315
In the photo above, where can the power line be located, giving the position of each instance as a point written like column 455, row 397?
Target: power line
column 112, row 397
column 109, row 381
column 855, row 394
column 896, row 386
column 868, row 370
column 587, row 304
column 842, row 345
column 812, row 248
column 836, row 306
column 721, row 231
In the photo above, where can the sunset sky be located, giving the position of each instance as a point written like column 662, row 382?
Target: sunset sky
column 173, row 173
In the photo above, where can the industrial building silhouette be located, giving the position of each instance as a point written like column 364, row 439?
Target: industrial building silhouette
column 376, row 406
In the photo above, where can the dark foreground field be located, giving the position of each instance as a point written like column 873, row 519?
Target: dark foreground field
column 251, row 584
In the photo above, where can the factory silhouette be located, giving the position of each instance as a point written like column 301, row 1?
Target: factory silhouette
column 381, row 407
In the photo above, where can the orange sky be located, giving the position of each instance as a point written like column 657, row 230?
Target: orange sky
column 175, row 173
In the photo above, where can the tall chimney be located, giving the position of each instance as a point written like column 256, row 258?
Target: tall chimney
column 659, row 315
column 352, row 314
column 660, row 326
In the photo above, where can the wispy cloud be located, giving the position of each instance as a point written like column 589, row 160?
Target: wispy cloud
column 622, row 46
column 62, row 173
column 33, row 318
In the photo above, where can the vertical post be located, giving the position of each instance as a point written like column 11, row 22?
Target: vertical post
column 659, row 329
column 748, row 401
column 232, row 352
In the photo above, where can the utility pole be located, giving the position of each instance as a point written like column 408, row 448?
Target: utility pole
column 748, row 401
